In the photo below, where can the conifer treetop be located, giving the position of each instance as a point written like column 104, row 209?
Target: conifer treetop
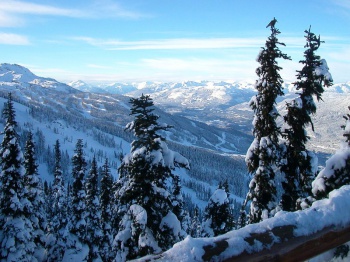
column 145, row 125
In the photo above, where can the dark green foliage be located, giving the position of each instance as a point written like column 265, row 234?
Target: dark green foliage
column 242, row 219
column 59, row 212
column 298, row 166
column 93, row 213
column 16, row 231
column 35, row 195
column 264, row 151
column 346, row 128
column 106, row 213
column 195, row 226
column 78, row 207
column 144, row 204
column 218, row 214
column 342, row 251
column 145, row 125
column 11, row 163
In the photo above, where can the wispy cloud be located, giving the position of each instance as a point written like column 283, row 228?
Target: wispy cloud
column 11, row 11
column 108, row 8
column 20, row 7
column 13, row 39
column 176, row 43
column 342, row 3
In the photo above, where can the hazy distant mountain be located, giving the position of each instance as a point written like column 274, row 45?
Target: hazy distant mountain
column 115, row 88
column 225, row 105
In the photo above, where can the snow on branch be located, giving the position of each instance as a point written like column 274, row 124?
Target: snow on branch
column 323, row 70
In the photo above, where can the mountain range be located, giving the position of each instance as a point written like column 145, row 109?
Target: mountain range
column 211, row 120
column 226, row 105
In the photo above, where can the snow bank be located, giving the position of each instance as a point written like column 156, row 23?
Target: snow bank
column 334, row 212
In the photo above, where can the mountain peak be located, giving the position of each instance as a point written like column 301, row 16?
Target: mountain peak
column 13, row 74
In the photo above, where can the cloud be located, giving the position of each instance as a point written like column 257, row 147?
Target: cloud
column 176, row 43
column 9, row 20
column 108, row 8
column 20, row 7
column 13, row 39
column 11, row 11
column 342, row 3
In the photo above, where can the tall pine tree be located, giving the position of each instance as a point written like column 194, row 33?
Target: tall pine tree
column 106, row 213
column 16, row 235
column 35, row 195
column 76, row 238
column 263, row 152
column 93, row 213
column 56, row 243
column 145, row 210
column 300, row 165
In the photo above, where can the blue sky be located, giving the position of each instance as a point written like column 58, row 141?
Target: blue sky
column 161, row 40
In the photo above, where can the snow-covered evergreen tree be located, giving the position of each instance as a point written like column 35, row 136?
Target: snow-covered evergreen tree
column 218, row 214
column 299, row 165
column 93, row 213
column 58, row 216
column 178, row 205
column 242, row 219
column 145, row 210
column 35, row 195
column 263, row 152
column 16, row 231
column 76, row 237
column 337, row 170
column 195, row 226
column 106, row 197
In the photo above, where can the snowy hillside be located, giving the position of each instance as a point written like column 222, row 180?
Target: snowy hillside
column 53, row 110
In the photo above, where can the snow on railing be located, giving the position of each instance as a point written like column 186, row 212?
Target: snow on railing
column 289, row 236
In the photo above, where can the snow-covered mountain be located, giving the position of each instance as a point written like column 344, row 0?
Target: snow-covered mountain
column 20, row 78
column 53, row 110
column 212, row 120
column 226, row 105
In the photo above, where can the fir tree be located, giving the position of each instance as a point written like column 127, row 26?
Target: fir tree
column 106, row 213
column 76, row 239
column 58, row 216
column 16, row 235
column 145, row 210
column 93, row 213
column 35, row 195
column 178, row 205
column 218, row 214
column 242, row 219
column 195, row 226
column 300, row 165
column 263, row 152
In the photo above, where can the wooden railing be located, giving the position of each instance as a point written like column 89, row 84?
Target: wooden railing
column 289, row 236
column 289, row 249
